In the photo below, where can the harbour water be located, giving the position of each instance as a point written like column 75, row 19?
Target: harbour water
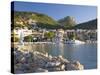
column 86, row 54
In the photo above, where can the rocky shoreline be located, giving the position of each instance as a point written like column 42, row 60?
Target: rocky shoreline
column 29, row 62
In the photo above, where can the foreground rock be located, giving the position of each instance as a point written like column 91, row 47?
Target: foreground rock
column 28, row 62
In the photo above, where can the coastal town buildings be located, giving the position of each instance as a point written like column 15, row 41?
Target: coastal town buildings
column 60, row 34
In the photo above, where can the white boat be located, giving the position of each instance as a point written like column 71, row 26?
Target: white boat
column 74, row 42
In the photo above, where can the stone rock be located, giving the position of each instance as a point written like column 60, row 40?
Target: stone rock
column 54, row 63
column 74, row 66
column 62, row 67
column 26, row 62
column 78, row 65
column 70, row 66
column 41, row 70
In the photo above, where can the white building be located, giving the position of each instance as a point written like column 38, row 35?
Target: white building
column 59, row 35
column 26, row 32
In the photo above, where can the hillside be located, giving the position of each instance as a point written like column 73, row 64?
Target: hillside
column 21, row 19
column 87, row 25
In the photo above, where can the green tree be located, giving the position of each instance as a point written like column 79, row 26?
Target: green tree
column 28, row 38
column 72, row 36
column 14, row 39
column 49, row 35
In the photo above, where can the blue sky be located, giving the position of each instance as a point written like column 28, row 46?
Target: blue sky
column 58, row 11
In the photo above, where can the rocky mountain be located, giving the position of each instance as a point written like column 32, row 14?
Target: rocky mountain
column 67, row 22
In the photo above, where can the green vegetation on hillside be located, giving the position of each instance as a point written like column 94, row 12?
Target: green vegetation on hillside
column 21, row 19
column 87, row 25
